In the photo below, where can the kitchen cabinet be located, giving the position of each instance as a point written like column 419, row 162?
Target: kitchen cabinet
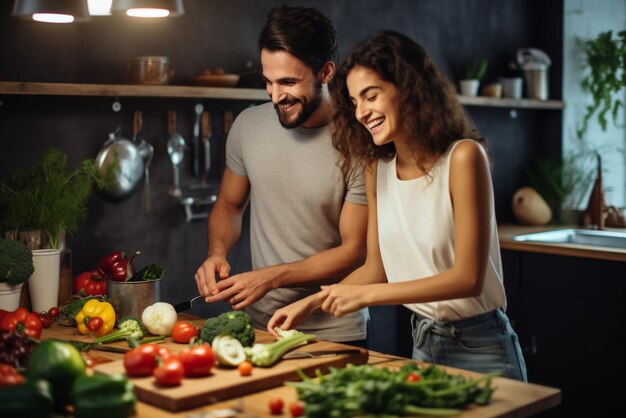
column 568, row 313
column 132, row 90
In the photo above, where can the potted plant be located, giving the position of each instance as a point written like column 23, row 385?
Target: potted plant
column 48, row 197
column 605, row 59
column 16, row 266
column 473, row 74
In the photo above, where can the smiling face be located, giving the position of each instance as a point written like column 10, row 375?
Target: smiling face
column 376, row 105
column 295, row 91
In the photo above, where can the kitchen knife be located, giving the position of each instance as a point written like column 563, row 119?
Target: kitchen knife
column 206, row 143
column 183, row 306
column 321, row 353
column 195, row 141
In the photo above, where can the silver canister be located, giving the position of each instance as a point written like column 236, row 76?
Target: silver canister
column 131, row 298
column 536, row 78
column 534, row 64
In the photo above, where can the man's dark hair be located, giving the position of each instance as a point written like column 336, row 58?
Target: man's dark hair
column 303, row 32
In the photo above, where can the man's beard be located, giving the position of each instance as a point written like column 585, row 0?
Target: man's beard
column 307, row 110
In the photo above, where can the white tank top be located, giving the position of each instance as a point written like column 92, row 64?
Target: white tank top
column 416, row 237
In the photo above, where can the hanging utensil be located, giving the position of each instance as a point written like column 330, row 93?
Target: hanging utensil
column 195, row 142
column 176, row 152
column 146, row 150
column 124, row 153
column 206, row 144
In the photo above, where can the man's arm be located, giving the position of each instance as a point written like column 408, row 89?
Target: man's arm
column 224, row 229
column 325, row 267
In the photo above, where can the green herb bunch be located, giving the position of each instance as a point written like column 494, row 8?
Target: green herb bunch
column 50, row 196
column 412, row 390
column 605, row 60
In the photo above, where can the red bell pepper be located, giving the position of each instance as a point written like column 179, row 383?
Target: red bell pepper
column 23, row 322
column 91, row 282
column 197, row 360
column 116, row 266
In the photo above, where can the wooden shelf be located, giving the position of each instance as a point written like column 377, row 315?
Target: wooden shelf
column 511, row 103
column 135, row 90
column 131, row 90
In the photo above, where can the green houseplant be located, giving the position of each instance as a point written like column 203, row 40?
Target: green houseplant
column 50, row 196
column 476, row 70
column 605, row 62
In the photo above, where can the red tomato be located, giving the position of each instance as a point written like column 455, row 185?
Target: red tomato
column 91, row 282
column 197, row 360
column 245, row 368
column 142, row 361
column 9, row 376
column 296, row 409
column 276, row 406
column 94, row 324
column 413, row 377
column 183, row 332
column 54, row 312
column 45, row 318
column 170, row 372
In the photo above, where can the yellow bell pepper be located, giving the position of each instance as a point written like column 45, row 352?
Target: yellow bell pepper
column 92, row 309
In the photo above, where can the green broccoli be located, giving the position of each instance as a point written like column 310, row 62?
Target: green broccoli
column 16, row 262
column 235, row 323
column 127, row 328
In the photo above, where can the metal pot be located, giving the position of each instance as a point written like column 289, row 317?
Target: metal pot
column 131, row 298
column 131, row 165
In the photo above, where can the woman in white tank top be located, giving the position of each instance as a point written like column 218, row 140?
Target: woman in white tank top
column 432, row 241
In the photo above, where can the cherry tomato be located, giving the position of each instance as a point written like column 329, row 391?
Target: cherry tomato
column 197, row 360
column 46, row 320
column 296, row 408
column 170, row 373
column 142, row 361
column 54, row 312
column 245, row 368
column 276, row 405
column 412, row 377
column 183, row 332
column 94, row 323
column 9, row 376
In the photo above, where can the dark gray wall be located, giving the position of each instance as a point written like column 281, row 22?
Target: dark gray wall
column 223, row 34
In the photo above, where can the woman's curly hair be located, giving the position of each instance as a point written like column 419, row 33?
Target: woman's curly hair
column 431, row 111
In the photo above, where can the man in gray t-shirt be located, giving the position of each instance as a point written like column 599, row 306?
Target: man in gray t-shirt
column 308, row 221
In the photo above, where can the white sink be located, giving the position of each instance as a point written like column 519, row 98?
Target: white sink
column 591, row 237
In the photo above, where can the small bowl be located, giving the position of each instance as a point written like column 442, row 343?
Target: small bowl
column 209, row 79
column 151, row 70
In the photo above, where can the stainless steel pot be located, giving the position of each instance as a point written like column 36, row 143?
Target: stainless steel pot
column 131, row 165
column 131, row 298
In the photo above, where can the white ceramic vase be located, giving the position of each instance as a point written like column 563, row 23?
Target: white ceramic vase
column 43, row 285
column 10, row 296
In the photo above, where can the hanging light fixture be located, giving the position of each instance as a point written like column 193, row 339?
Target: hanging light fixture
column 148, row 8
column 52, row 11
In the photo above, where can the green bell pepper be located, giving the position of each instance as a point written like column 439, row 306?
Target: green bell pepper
column 32, row 399
column 101, row 396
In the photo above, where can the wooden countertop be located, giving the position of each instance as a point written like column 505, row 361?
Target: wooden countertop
column 512, row 399
column 506, row 233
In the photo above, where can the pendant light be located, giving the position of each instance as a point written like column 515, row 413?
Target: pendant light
column 148, row 8
column 52, row 11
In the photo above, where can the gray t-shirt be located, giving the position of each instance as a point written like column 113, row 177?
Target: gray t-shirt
column 297, row 191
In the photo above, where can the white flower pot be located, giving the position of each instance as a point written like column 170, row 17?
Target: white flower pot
column 43, row 285
column 469, row 87
column 10, row 296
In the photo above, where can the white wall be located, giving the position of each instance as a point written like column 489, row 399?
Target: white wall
column 585, row 19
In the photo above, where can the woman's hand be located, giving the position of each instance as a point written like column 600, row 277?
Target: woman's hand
column 293, row 315
column 341, row 299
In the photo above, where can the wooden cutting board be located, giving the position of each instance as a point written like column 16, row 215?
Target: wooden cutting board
column 226, row 383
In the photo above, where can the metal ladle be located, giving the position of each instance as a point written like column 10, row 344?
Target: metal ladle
column 176, row 152
column 146, row 151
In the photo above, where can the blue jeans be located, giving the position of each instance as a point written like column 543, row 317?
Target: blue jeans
column 483, row 343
